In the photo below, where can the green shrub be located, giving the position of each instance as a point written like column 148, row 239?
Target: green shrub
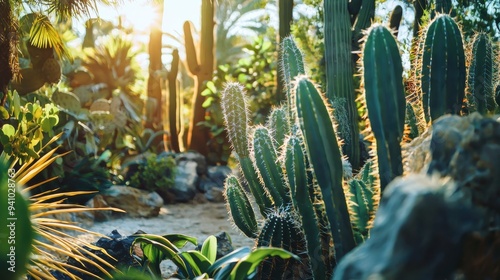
column 156, row 173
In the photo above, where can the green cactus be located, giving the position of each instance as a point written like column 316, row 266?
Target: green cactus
column 291, row 65
column 173, row 112
column 395, row 19
column 442, row 69
column 278, row 120
column 295, row 165
column 240, row 209
column 480, row 78
column 285, row 11
column 281, row 230
column 235, row 110
column 265, row 157
column 385, row 100
column 323, row 151
column 31, row 80
column 411, row 122
column 202, row 71
column 339, row 73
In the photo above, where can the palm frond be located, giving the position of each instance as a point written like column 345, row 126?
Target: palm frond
column 75, row 8
column 55, row 243
column 44, row 35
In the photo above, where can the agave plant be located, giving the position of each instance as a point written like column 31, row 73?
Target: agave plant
column 48, row 240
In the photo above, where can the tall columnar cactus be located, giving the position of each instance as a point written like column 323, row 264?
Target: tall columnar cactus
column 265, row 158
column 297, row 178
column 480, row 77
column 325, row 157
column 173, row 112
column 291, row 65
column 201, row 65
column 339, row 74
column 235, row 110
column 442, row 69
column 285, row 11
column 385, row 99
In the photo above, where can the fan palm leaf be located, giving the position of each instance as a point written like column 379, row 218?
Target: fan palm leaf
column 53, row 241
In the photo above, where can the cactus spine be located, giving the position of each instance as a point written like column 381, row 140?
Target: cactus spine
column 385, row 100
column 323, row 151
column 480, row 78
column 339, row 72
column 202, row 71
column 442, row 69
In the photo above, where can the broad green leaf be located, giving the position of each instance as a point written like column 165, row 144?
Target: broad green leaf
column 249, row 264
column 211, row 86
column 196, row 262
column 8, row 130
column 209, row 248
column 4, row 113
column 232, row 257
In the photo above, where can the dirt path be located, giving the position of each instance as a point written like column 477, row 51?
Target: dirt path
column 199, row 220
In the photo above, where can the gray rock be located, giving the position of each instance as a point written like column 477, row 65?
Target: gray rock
column 186, row 181
column 199, row 159
column 136, row 202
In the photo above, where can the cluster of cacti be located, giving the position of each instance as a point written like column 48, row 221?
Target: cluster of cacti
column 200, row 63
column 293, row 168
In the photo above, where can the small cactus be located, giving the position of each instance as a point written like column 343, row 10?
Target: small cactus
column 240, row 209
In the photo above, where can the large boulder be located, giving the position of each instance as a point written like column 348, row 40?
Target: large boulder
column 191, row 166
column 136, row 202
column 212, row 185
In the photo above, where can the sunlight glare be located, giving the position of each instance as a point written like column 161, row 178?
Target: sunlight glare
column 140, row 15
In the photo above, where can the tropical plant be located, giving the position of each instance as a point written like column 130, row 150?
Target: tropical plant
column 48, row 234
column 193, row 264
column 155, row 174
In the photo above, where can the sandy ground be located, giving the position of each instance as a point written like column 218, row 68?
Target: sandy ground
column 197, row 219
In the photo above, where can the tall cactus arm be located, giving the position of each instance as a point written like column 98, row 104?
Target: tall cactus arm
column 325, row 157
column 240, row 209
column 339, row 72
column 296, row 171
column 385, row 99
column 480, row 78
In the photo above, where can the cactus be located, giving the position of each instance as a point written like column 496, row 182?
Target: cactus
column 298, row 181
column 278, row 120
column 285, row 11
column 339, row 73
column 265, row 158
column 411, row 122
column 395, row 19
column 385, row 100
column 202, row 72
column 323, row 151
column 281, row 230
column 173, row 112
column 235, row 110
column 442, row 69
column 480, row 78
column 100, row 104
column 291, row 65
column 239, row 207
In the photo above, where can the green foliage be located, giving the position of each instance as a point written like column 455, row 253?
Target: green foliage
column 25, row 125
column 239, row 264
column 156, row 173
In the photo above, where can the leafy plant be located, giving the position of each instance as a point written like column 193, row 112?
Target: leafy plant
column 50, row 234
column 155, row 174
column 192, row 264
